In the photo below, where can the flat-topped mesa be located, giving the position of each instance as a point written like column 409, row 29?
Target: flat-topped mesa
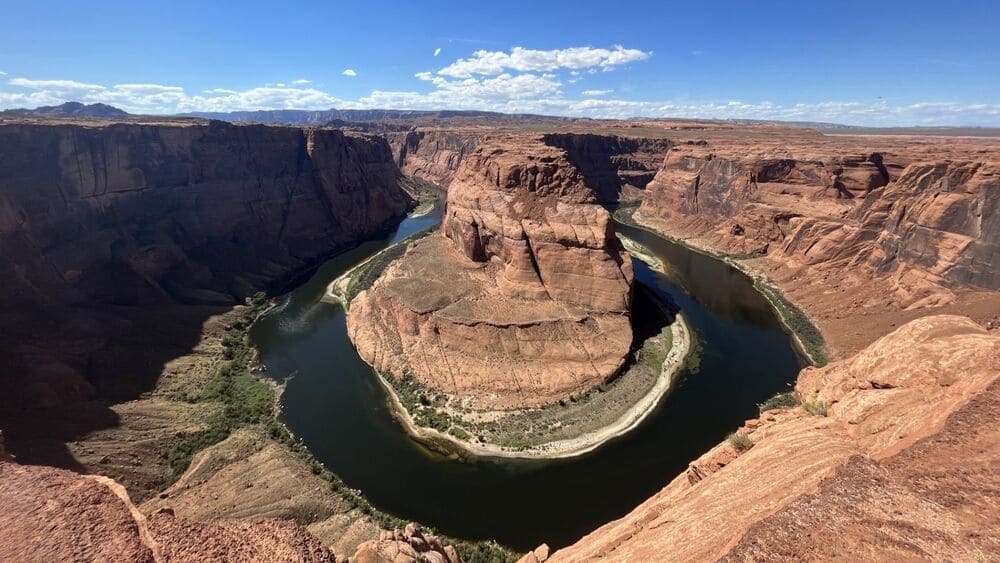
column 521, row 300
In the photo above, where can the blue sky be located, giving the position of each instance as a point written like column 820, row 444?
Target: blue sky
column 876, row 63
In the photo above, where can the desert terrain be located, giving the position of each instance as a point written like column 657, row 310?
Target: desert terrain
column 138, row 251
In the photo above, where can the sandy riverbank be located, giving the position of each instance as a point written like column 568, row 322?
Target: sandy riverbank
column 570, row 447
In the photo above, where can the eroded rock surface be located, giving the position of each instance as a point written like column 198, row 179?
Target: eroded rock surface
column 525, row 302
column 107, row 228
column 56, row 515
column 879, row 477
column 135, row 213
column 899, row 209
column 434, row 155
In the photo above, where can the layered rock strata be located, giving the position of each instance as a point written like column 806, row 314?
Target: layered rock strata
column 897, row 461
column 137, row 213
column 106, row 228
column 929, row 225
column 434, row 155
column 523, row 297
column 616, row 167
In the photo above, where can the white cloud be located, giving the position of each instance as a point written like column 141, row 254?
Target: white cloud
column 349, row 72
column 437, row 51
column 530, row 60
column 532, row 92
column 2, row 73
column 301, row 81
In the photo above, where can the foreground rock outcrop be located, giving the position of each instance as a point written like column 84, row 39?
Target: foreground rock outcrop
column 56, row 515
column 525, row 302
column 898, row 462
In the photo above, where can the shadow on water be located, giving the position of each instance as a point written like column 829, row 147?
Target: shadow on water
column 337, row 407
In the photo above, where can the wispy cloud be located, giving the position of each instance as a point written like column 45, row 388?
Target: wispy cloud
column 301, row 81
column 349, row 72
column 437, row 51
column 948, row 62
column 470, row 40
column 597, row 92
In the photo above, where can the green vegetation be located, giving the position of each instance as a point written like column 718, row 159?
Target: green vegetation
column 363, row 276
column 740, row 441
column 817, row 408
column 243, row 398
column 785, row 400
column 479, row 552
column 797, row 321
column 655, row 350
column 246, row 400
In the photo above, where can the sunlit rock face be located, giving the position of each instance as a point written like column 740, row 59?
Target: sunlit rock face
column 521, row 299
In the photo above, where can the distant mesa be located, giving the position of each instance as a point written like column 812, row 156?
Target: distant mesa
column 73, row 109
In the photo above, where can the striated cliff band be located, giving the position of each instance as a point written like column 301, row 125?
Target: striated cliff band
column 114, row 221
column 523, row 297
column 862, row 233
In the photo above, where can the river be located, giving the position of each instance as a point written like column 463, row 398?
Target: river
column 334, row 403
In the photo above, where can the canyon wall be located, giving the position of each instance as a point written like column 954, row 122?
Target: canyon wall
column 105, row 228
column 433, row 155
column 134, row 213
column 897, row 461
column 925, row 225
column 525, row 302
column 936, row 225
column 616, row 167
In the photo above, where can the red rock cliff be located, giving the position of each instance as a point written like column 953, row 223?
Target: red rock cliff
column 133, row 213
column 527, row 300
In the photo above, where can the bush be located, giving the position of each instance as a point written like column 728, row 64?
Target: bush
column 243, row 398
column 785, row 400
column 741, row 441
column 818, row 408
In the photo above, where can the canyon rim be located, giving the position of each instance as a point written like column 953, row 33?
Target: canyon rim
column 702, row 284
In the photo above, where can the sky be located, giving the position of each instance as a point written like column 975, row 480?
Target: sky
column 859, row 63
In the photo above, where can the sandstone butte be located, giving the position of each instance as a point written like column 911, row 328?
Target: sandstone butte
column 888, row 243
column 521, row 300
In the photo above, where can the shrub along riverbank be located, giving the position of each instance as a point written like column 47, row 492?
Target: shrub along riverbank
column 808, row 336
column 244, row 399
